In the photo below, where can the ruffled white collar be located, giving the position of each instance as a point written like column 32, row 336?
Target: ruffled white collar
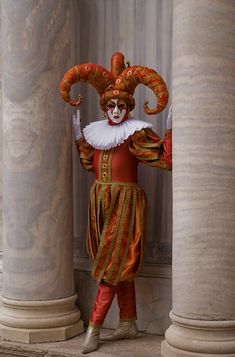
column 102, row 136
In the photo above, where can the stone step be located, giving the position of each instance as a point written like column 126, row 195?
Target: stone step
column 145, row 345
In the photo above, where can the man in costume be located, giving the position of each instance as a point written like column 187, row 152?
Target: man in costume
column 112, row 149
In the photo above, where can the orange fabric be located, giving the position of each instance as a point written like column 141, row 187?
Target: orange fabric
column 104, row 297
column 120, row 83
column 124, row 164
column 126, row 300
column 102, row 304
column 150, row 149
column 117, row 207
column 115, row 234
column 86, row 153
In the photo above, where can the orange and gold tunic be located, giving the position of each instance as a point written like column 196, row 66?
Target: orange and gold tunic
column 117, row 208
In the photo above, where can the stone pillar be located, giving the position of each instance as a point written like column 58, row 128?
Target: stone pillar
column 203, row 313
column 0, row 164
column 38, row 301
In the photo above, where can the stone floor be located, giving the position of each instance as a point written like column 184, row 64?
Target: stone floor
column 144, row 345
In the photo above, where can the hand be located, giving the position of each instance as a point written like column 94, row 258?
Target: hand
column 169, row 119
column 76, row 122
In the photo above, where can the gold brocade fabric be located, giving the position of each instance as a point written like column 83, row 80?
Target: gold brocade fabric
column 115, row 234
column 117, row 209
column 151, row 150
column 86, row 153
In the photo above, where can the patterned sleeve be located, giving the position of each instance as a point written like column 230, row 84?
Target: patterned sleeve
column 86, row 153
column 150, row 149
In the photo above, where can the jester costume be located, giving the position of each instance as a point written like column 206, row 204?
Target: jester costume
column 117, row 207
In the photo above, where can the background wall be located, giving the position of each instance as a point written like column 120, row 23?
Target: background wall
column 142, row 30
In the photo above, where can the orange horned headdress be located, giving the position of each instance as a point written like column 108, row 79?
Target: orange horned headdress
column 119, row 83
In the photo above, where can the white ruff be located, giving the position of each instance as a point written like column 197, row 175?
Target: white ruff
column 103, row 136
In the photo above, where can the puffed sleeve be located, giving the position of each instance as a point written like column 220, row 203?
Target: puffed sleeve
column 150, row 149
column 86, row 153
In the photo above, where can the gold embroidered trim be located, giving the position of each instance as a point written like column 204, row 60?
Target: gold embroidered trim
column 130, row 319
column 142, row 225
column 117, row 183
column 132, row 220
column 95, row 73
column 115, row 234
column 122, row 213
column 100, row 165
column 106, row 223
column 91, row 209
column 110, row 156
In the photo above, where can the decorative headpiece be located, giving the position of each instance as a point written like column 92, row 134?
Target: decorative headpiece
column 119, row 83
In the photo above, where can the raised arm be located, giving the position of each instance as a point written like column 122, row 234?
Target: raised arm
column 150, row 149
column 85, row 150
column 76, row 122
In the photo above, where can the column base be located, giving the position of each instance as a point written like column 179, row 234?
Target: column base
column 41, row 335
column 39, row 321
column 199, row 338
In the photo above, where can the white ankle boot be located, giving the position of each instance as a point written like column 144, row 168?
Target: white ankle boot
column 125, row 329
column 92, row 338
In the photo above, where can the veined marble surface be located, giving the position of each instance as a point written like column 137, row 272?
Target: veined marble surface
column 37, row 48
column 204, row 161
column 0, row 142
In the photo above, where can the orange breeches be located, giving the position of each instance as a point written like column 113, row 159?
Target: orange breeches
column 125, row 297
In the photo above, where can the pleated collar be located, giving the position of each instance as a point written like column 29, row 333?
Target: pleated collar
column 102, row 136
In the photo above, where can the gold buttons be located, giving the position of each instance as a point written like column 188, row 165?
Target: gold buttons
column 104, row 166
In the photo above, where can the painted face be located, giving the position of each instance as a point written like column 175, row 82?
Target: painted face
column 116, row 111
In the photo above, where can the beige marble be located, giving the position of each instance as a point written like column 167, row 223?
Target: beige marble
column 0, row 149
column 143, row 346
column 190, row 337
column 203, row 180
column 37, row 173
column 37, row 166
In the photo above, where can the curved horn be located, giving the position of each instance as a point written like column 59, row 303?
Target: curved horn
column 96, row 75
column 117, row 64
column 135, row 75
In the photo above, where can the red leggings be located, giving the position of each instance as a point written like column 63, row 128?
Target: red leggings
column 125, row 298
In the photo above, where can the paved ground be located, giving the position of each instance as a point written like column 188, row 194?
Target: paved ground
column 144, row 345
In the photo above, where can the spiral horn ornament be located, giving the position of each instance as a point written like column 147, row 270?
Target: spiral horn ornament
column 135, row 75
column 120, row 83
column 96, row 75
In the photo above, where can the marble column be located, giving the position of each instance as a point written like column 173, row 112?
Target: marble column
column 203, row 313
column 0, row 164
column 38, row 301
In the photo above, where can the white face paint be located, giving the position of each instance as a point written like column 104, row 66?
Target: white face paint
column 116, row 110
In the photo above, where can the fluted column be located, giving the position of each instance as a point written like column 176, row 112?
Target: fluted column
column 38, row 301
column 203, row 314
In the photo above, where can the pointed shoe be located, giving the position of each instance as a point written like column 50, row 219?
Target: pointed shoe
column 125, row 329
column 91, row 342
